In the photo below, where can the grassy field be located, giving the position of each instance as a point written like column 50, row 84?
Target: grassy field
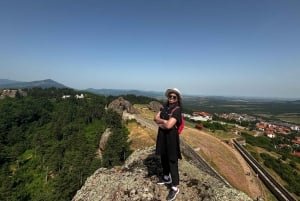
column 289, row 117
column 140, row 136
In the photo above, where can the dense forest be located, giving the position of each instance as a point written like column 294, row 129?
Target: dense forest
column 48, row 145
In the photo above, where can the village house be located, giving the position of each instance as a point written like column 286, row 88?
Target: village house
column 296, row 153
column 261, row 127
column 237, row 117
column 79, row 96
column 66, row 96
column 76, row 96
column 271, row 130
column 296, row 141
column 201, row 116
column 270, row 133
column 295, row 128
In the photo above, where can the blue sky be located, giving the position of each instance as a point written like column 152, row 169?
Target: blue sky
column 226, row 47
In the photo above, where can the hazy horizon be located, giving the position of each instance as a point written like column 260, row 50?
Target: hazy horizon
column 161, row 93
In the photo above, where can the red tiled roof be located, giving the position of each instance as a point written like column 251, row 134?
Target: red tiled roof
column 260, row 126
column 295, row 141
column 202, row 114
column 296, row 154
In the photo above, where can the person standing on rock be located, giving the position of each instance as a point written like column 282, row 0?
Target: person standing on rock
column 167, row 143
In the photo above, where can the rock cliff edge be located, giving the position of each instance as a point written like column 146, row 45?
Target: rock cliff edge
column 136, row 180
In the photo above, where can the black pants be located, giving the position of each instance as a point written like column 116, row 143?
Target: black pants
column 170, row 167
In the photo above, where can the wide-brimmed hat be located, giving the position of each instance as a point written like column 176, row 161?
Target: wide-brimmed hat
column 174, row 90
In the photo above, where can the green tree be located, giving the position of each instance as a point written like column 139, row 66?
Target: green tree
column 117, row 148
column 47, row 145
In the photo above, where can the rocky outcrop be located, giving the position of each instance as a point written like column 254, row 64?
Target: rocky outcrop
column 155, row 106
column 11, row 93
column 136, row 180
column 103, row 141
column 119, row 105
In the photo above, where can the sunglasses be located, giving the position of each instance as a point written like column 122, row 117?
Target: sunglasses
column 172, row 97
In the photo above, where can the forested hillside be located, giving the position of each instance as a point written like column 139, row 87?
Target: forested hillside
column 48, row 145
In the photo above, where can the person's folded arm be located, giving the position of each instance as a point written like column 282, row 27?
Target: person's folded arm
column 168, row 124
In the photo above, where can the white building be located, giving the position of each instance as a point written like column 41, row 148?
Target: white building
column 199, row 118
column 79, row 96
column 66, row 96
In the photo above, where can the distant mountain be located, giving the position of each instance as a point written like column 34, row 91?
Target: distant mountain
column 117, row 92
column 5, row 83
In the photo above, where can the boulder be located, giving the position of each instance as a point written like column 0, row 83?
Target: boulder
column 102, row 142
column 119, row 105
column 155, row 106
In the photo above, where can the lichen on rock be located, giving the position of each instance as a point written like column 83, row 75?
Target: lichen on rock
column 136, row 180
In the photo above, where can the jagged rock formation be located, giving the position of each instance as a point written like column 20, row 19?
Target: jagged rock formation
column 155, row 106
column 11, row 93
column 103, row 141
column 119, row 105
column 136, row 180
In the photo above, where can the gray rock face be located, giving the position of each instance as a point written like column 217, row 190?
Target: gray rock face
column 119, row 105
column 136, row 180
column 155, row 106
column 11, row 93
column 103, row 141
